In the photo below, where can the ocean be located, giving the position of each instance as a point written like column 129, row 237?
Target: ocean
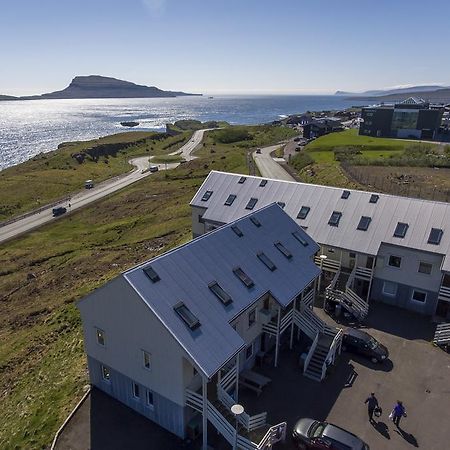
column 34, row 126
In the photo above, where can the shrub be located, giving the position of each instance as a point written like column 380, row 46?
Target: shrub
column 230, row 135
column 301, row 160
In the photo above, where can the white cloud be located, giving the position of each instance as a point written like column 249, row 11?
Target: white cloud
column 155, row 7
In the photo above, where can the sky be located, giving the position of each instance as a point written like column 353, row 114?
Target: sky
column 225, row 46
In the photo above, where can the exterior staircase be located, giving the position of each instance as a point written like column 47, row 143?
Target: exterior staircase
column 320, row 353
column 340, row 291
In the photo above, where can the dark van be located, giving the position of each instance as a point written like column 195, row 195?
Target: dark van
column 59, row 211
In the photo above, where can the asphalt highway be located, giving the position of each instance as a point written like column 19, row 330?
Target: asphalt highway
column 87, row 196
column 268, row 167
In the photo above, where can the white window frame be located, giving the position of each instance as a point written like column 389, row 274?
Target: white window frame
column 133, row 391
column 420, row 292
column 390, row 294
column 252, row 347
column 428, row 264
column 147, row 403
column 254, row 310
column 395, row 256
column 98, row 332
column 104, row 368
column 145, row 353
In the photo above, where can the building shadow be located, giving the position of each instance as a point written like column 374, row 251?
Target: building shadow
column 114, row 426
column 399, row 322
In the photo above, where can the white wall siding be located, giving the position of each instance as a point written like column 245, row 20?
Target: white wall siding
column 408, row 273
column 164, row 412
column 130, row 327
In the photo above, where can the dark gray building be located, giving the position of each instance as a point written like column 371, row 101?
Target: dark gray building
column 411, row 119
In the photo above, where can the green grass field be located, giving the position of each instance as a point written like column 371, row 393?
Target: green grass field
column 325, row 169
column 42, row 362
column 50, row 176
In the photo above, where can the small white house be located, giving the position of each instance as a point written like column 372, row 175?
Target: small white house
column 158, row 335
column 382, row 247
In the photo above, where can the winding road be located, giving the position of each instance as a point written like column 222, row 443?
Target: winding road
column 268, row 167
column 44, row 215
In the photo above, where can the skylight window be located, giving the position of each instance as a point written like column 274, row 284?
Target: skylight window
column 345, row 195
column 300, row 238
column 283, row 250
column 231, row 198
column 251, row 203
column 255, row 221
column 435, row 236
column 220, row 293
column 266, row 261
column 186, row 315
column 401, row 229
column 282, row 204
column 263, row 183
column 150, row 272
column 374, row 198
column 335, row 218
column 242, row 180
column 206, row 196
column 304, row 210
column 364, row 223
column 237, row 230
column 243, row 277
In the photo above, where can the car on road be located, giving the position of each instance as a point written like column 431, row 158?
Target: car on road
column 60, row 210
column 363, row 343
column 258, row 150
column 297, row 139
column 313, row 434
column 153, row 169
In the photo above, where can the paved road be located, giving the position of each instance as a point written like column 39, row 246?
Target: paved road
column 268, row 167
column 86, row 197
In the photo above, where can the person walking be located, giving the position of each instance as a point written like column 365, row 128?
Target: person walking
column 398, row 412
column 372, row 403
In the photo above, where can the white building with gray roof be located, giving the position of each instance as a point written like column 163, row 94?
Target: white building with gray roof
column 158, row 335
column 378, row 246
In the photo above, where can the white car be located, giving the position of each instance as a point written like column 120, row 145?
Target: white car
column 153, row 169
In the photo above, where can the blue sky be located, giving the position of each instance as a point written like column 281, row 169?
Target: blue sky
column 225, row 46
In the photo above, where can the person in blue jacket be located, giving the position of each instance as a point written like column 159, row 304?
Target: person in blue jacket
column 398, row 412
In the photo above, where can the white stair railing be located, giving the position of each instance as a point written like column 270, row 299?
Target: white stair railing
column 311, row 352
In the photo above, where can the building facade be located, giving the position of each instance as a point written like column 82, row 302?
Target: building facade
column 161, row 336
column 411, row 119
column 382, row 247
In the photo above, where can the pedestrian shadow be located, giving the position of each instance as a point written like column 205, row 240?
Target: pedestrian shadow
column 382, row 428
column 408, row 437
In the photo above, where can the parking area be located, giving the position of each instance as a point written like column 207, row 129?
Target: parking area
column 417, row 373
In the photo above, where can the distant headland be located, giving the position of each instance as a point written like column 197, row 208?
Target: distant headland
column 96, row 86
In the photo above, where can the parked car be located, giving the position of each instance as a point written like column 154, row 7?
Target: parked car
column 59, row 211
column 296, row 139
column 313, row 434
column 258, row 150
column 358, row 341
column 88, row 184
column 153, row 168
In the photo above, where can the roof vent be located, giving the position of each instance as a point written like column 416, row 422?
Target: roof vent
column 345, row 195
column 220, row 293
column 237, row 230
column 242, row 180
column 243, row 277
column 374, row 198
column 206, row 196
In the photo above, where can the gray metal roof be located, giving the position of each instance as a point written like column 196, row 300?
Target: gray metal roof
column 186, row 272
column 420, row 215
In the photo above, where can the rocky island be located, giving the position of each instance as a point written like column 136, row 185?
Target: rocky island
column 96, row 86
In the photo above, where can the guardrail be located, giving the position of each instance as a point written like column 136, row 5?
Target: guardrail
column 274, row 434
column 311, row 352
column 442, row 334
column 229, row 380
column 444, row 293
column 335, row 346
column 363, row 273
column 308, row 299
column 327, row 264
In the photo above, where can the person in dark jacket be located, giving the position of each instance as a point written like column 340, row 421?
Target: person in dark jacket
column 398, row 412
column 372, row 403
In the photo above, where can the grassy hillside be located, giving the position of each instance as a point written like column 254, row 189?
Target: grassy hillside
column 42, row 364
column 54, row 175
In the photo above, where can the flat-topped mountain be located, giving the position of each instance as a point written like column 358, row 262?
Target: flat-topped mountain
column 96, row 86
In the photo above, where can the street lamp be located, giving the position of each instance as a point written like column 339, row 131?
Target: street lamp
column 237, row 410
column 322, row 259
